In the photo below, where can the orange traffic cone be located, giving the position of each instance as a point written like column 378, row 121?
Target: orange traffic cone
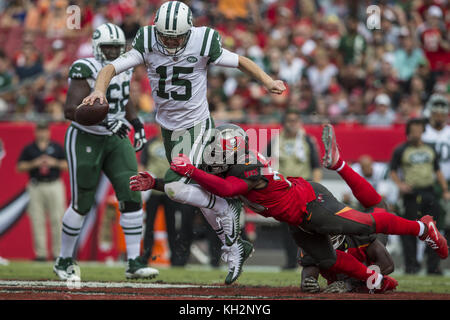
column 160, row 253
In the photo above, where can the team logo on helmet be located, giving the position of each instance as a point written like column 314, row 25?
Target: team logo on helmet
column 96, row 35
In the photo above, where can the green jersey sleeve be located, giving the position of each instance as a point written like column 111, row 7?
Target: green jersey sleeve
column 143, row 39
column 215, row 49
column 79, row 70
column 211, row 45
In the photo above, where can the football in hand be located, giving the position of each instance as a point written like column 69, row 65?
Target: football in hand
column 90, row 115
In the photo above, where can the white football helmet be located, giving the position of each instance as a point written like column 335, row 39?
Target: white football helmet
column 107, row 34
column 173, row 23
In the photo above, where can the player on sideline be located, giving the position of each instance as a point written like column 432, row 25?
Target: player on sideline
column 177, row 56
column 310, row 207
column 105, row 147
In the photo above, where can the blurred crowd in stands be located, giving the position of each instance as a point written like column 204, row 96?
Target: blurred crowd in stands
column 335, row 66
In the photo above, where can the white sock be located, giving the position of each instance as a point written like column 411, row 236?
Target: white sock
column 213, row 220
column 131, row 223
column 71, row 227
column 422, row 228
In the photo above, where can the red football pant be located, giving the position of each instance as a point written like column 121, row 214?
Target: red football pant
column 361, row 188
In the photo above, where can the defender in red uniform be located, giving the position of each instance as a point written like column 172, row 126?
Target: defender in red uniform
column 308, row 206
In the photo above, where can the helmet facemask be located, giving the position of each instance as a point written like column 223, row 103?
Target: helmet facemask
column 228, row 146
column 171, row 45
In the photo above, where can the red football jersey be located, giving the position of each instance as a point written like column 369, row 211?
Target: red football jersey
column 284, row 199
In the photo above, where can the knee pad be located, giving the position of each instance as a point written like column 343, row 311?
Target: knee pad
column 178, row 191
column 129, row 206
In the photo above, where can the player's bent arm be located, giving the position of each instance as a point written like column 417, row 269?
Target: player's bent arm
column 228, row 187
column 78, row 89
column 126, row 61
column 378, row 255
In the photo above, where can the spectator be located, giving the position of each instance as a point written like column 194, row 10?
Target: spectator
column 28, row 62
column 154, row 160
column 6, row 77
column 352, row 45
column 433, row 34
column 321, row 73
column 298, row 156
column 407, row 58
column 383, row 116
column 43, row 160
column 419, row 164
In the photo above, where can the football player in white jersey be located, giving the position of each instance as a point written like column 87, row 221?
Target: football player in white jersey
column 177, row 56
column 106, row 148
column 437, row 134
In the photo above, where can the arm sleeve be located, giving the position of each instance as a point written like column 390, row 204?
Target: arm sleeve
column 127, row 61
column 228, row 187
column 227, row 59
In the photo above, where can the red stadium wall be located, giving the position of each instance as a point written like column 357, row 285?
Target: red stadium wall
column 16, row 238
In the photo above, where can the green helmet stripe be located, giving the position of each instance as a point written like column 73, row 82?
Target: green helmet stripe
column 117, row 31
column 205, row 40
column 177, row 6
column 109, row 28
column 169, row 8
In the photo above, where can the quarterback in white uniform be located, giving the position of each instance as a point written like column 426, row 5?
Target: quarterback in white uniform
column 177, row 56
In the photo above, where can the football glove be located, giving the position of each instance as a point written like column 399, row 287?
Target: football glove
column 139, row 135
column 141, row 182
column 310, row 284
column 182, row 165
column 118, row 127
column 336, row 287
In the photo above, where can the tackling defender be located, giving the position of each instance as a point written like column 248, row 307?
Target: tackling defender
column 104, row 147
column 177, row 56
column 308, row 206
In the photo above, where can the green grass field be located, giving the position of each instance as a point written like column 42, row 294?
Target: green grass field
column 24, row 270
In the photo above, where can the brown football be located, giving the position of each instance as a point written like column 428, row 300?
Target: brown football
column 90, row 115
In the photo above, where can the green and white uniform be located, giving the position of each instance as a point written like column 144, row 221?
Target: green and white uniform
column 179, row 86
column 117, row 94
column 93, row 149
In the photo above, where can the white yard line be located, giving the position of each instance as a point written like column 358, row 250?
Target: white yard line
column 90, row 284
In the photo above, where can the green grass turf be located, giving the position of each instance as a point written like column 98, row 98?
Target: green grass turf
column 24, row 270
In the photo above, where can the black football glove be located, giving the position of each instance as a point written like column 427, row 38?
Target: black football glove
column 310, row 284
column 139, row 134
column 118, row 127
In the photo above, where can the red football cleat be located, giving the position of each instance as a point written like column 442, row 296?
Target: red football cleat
column 433, row 237
column 387, row 284
column 331, row 157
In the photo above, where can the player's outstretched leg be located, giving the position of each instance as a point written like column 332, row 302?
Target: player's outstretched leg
column 363, row 191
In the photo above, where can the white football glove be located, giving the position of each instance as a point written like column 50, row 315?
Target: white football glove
column 139, row 134
column 118, row 127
